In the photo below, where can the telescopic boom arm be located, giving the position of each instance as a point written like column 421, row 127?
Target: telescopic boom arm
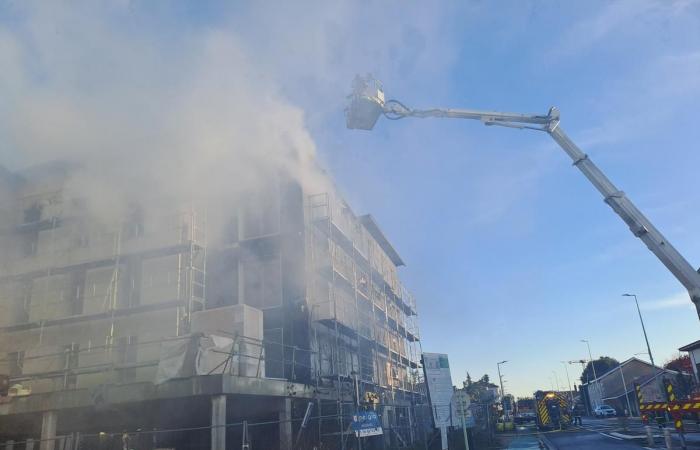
column 640, row 226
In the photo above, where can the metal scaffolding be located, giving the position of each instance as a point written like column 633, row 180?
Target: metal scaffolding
column 364, row 322
column 70, row 303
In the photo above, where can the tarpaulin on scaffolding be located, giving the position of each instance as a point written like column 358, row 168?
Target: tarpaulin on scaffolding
column 234, row 356
column 216, row 354
column 176, row 359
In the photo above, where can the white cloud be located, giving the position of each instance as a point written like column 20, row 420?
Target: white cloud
column 616, row 21
column 680, row 300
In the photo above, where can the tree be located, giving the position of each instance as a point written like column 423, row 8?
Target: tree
column 682, row 383
column 602, row 365
column 466, row 383
column 479, row 390
column 681, row 363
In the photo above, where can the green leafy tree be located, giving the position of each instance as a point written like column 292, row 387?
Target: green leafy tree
column 478, row 390
column 602, row 365
column 468, row 381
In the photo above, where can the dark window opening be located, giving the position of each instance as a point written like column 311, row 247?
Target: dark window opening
column 262, row 283
column 274, row 352
column 16, row 363
column 127, row 354
column 71, row 362
column 134, row 226
column 29, row 243
column 32, row 214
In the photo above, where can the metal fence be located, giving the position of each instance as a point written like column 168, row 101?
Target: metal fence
column 408, row 427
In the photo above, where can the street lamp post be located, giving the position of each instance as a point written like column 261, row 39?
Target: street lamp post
column 644, row 330
column 624, row 386
column 595, row 376
column 568, row 381
column 586, row 401
column 500, row 378
column 556, row 379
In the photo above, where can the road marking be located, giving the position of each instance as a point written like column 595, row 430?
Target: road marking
column 611, row 437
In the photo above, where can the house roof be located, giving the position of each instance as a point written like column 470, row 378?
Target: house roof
column 626, row 362
column 641, row 381
column 632, row 375
column 369, row 223
column 690, row 347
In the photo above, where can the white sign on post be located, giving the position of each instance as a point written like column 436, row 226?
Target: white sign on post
column 439, row 383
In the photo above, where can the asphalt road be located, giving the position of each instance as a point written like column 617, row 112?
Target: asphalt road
column 599, row 434
column 588, row 440
column 595, row 434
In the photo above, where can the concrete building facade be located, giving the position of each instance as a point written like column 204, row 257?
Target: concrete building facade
column 145, row 330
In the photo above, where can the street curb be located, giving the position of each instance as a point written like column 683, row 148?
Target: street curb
column 547, row 443
column 627, row 436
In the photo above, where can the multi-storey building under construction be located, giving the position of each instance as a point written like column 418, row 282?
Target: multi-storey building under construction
column 137, row 330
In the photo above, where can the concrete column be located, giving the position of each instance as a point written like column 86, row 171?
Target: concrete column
column 29, row 445
column 218, row 422
column 48, row 430
column 10, row 445
column 285, row 418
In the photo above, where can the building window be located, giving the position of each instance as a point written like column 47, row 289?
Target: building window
column 32, row 214
column 274, row 352
column 71, row 353
column 262, row 283
column 127, row 348
column 15, row 361
column 30, row 243
column 260, row 215
column 134, row 224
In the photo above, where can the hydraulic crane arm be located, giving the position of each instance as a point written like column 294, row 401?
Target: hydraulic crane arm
column 640, row 226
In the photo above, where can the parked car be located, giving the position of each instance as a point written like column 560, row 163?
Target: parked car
column 604, row 411
column 524, row 417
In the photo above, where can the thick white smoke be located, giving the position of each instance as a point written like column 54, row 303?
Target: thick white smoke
column 147, row 119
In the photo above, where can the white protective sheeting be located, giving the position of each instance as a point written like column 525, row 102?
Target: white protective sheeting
column 215, row 355
column 176, row 360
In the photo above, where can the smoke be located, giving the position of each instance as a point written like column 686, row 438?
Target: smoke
column 168, row 104
column 145, row 119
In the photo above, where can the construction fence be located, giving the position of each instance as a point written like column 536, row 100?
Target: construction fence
column 403, row 428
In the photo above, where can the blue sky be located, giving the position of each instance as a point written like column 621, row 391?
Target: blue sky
column 511, row 253
column 509, row 250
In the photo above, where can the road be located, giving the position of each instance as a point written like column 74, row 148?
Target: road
column 601, row 434
column 595, row 434
column 589, row 440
